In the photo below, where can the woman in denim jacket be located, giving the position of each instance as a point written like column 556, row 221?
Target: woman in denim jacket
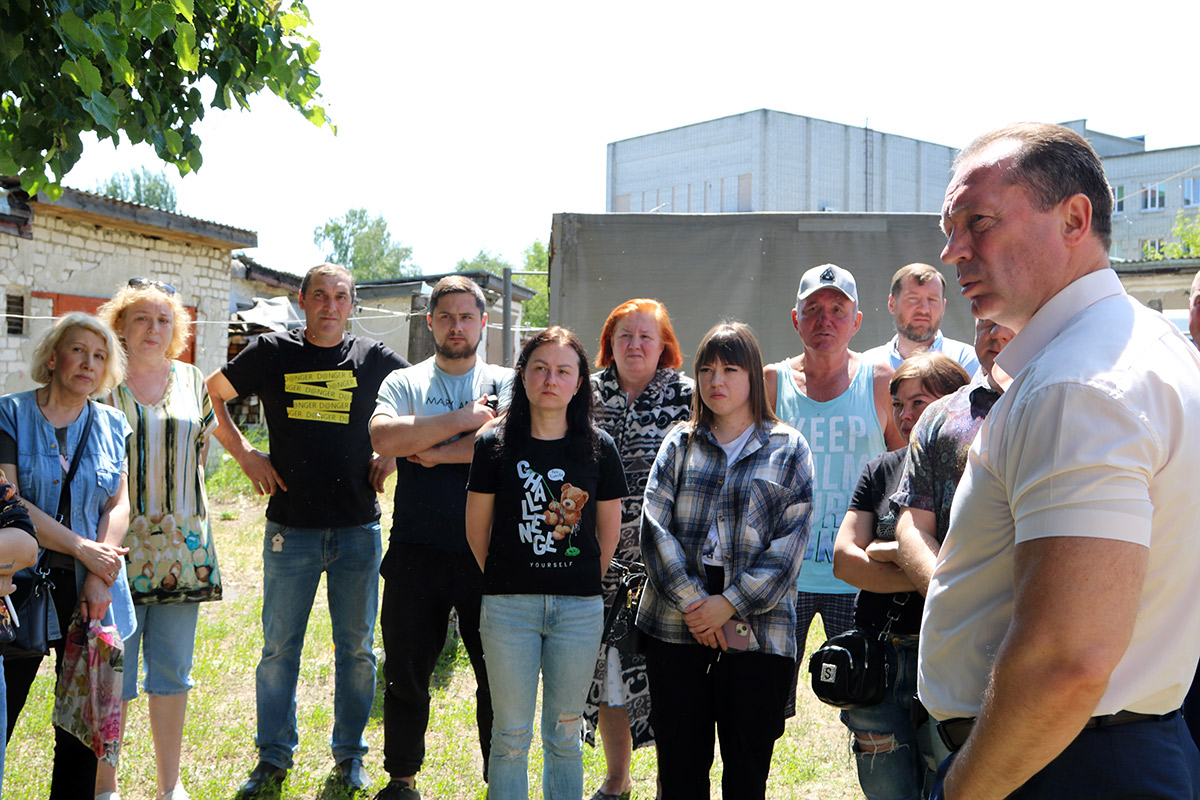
column 40, row 432
column 725, row 523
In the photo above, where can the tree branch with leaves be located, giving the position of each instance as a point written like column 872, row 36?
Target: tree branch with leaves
column 133, row 67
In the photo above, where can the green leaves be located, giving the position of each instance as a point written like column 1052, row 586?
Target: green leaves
column 84, row 74
column 184, row 8
column 363, row 245
column 103, row 110
column 185, row 47
column 131, row 69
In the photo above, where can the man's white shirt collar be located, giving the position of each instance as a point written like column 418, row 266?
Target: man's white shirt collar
column 1051, row 318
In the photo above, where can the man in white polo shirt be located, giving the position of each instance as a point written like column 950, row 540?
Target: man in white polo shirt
column 1061, row 628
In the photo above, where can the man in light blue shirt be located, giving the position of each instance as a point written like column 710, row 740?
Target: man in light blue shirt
column 917, row 300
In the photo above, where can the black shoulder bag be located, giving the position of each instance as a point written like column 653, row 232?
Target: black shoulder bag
column 851, row 670
column 31, row 593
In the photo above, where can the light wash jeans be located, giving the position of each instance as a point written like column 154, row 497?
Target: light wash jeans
column 3, row 720
column 558, row 635
column 350, row 558
column 164, row 643
column 906, row 770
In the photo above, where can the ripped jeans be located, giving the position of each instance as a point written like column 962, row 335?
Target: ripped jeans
column 558, row 635
column 900, row 762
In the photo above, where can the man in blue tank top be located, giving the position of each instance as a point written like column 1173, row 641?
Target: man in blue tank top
column 841, row 403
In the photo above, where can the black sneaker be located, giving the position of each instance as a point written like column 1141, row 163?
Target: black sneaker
column 265, row 781
column 398, row 790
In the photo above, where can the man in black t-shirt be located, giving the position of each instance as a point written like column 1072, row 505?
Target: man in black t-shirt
column 317, row 387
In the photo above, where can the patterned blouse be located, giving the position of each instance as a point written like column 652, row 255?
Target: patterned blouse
column 938, row 452
column 638, row 431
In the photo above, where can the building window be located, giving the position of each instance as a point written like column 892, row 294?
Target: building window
column 14, row 310
column 1154, row 197
column 1191, row 191
column 1118, row 199
column 1152, row 248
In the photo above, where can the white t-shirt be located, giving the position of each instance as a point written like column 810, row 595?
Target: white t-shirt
column 425, row 390
column 711, row 554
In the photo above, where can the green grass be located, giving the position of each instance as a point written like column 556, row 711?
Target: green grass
column 811, row 761
column 227, row 482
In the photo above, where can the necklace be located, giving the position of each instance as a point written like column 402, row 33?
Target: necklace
column 149, row 388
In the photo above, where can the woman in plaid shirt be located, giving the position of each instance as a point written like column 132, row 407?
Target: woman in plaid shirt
column 724, row 527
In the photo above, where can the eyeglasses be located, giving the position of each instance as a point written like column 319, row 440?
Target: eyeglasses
column 165, row 288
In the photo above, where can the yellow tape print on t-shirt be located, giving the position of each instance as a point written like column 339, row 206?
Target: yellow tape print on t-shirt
column 334, row 405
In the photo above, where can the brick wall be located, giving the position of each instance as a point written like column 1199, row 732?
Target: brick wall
column 77, row 258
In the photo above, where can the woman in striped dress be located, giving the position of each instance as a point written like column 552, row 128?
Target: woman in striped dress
column 172, row 560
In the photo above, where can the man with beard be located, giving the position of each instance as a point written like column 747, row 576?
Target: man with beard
column 426, row 417
column 917, row 301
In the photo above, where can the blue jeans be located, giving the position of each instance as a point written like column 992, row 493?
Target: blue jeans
column 558, row 635
column 4, row 718
column 905, row 767
column 350, row 558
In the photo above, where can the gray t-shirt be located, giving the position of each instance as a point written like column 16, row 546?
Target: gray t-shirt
column 431, row 501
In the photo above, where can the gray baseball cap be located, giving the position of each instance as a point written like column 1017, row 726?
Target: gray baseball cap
column 829, row 276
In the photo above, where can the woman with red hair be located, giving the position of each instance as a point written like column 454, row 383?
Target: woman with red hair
column 639, row 396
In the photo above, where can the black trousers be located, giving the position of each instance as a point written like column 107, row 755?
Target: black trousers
column 74, row 772
column 420, row 587
column 694, row 688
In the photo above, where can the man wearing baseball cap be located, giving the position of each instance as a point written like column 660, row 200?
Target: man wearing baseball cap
column 841, row 403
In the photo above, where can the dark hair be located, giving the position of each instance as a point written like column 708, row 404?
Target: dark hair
column 671, row 356
column 582, row 442
column 333, row 271
column 920, row 273
column 731, row 343
column 1052, row 163
column 457, row 284
column 938, row 373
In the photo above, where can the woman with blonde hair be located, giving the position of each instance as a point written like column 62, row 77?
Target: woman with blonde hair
column 81, row 521
column 171, row 553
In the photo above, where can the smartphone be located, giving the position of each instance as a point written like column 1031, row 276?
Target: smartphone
column 737, row 634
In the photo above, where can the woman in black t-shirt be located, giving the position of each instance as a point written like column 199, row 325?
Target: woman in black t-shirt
column 543, row 519
column 890, row 751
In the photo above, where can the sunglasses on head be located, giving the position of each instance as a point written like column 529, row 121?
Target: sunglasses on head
column 165, row 288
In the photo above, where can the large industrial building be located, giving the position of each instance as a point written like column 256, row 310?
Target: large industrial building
column 772, row 161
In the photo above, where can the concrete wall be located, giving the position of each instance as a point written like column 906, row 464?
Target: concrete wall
column 78, row 258
column 710, row 267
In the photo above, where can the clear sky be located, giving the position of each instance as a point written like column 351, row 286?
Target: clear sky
column 468, row 125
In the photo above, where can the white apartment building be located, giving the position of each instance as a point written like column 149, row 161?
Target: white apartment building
column 1150, row 188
